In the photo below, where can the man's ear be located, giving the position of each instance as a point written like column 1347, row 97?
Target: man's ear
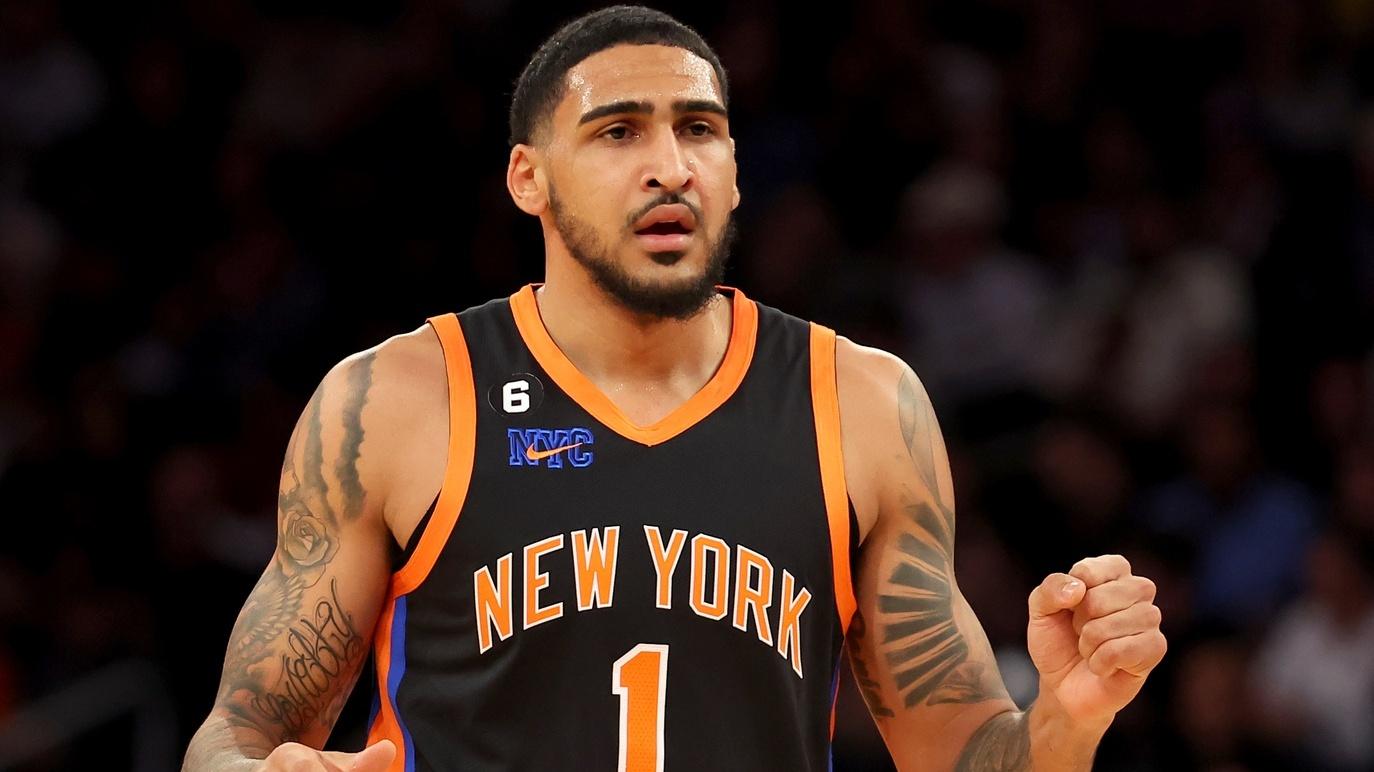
column 735, row 204
column 525, row 180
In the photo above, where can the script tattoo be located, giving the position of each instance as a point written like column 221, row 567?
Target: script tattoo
column 320, row 649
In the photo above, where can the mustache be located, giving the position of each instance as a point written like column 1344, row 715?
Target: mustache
column 664, row 200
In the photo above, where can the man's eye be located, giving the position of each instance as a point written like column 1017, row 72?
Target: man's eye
column 617, row 132
column 701, row 129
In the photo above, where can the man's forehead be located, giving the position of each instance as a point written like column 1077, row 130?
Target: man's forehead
column 649, row 73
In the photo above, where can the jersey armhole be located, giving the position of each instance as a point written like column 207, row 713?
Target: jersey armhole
column 433, row 531
column 825, row 403
column 400, row 555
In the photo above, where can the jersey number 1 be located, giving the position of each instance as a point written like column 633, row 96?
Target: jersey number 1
column 640, row 679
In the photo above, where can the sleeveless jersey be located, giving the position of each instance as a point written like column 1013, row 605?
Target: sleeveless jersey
column 590, row 594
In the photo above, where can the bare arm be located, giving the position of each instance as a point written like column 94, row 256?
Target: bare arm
column 919, row 654
column 301, row 637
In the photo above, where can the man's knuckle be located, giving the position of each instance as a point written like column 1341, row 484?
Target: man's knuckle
column 1096, row 602
column 1104, row 656
column 1147, row 586
column 1153, row 615
column 1094, row 634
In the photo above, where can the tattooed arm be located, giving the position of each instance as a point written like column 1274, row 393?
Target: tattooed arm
column 301, row 637
column 918, row 652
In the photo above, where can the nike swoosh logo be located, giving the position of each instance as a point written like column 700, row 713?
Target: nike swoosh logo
column 535, row 455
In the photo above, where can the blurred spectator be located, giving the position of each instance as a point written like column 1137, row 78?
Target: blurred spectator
column 974, row 310
column 1183, row 303
column 49, row 87
column 794, row 250
column 1211, row 709
column 1249, row 527
column 1354, row 487
column 1084, row 485
column 1314, row 673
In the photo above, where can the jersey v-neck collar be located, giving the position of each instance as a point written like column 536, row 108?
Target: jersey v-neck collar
column 739, row 351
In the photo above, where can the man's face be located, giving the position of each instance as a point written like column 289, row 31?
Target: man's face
column 639, row 136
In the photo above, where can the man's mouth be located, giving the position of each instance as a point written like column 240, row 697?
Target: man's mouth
column 664, row 237
column 666, row 228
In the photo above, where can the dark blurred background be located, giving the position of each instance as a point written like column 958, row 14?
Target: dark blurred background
column 1129, row 246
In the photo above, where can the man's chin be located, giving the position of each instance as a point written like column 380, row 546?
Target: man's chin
column 679, row 297
column 667, row 258
column 671, row 284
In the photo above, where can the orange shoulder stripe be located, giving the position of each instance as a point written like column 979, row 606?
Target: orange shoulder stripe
column 462, row 439
column 386, row 726
column 825, row 402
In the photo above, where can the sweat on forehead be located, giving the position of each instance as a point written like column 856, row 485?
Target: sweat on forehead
column 639, row 79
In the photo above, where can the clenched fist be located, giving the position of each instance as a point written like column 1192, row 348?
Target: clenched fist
column 1094, row 635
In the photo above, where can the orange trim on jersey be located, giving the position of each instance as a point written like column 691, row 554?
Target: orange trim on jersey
column 825, row 401
column 738, row 353
column 462, row 439
column 385, row 726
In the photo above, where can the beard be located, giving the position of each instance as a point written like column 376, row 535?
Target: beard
column 679, row 299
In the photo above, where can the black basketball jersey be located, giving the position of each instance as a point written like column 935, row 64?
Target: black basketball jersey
column 590, row 594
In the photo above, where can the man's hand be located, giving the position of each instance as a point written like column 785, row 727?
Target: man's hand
column 1094, row 635
column 303, row 758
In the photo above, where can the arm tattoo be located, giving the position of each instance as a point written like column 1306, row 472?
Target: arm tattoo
column 917, row 613
column 919, row 429
column 346, row 468
column 858, row 662
column 1002, row 744
column 322, row 648
column 287, row 664
column 921, row 641
column 313, row 457
column 307, row 530
column 274, row 602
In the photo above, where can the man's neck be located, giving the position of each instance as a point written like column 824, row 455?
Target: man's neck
column 625, row 353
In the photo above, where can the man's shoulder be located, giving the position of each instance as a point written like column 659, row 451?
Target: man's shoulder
column 401, row 379
column 881, row 403
column 878, row 386
column 403, row 361
column 412, row 354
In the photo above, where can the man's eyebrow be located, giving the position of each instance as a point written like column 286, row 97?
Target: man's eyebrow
column 646, row 108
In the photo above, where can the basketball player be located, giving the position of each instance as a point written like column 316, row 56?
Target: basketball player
column 641, row 512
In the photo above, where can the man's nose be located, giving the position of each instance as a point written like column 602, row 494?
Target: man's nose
column 670, row 169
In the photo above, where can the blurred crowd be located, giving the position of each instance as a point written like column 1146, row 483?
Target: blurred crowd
column 1129, row 247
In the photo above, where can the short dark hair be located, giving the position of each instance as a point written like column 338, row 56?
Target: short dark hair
column 541, row 85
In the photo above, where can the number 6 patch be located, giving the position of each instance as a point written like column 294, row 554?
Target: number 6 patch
column 521, row 394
